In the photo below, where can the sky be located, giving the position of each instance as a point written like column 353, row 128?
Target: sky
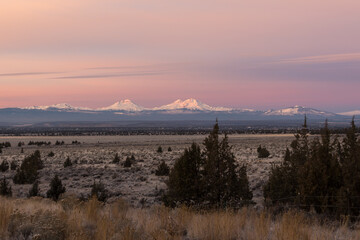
column 257, row 54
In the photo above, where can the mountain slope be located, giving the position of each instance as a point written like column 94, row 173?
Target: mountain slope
column 351, row 113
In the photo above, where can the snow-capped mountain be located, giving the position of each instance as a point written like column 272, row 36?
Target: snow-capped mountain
column 351, row 113
column 298, row 110
column 123, row 105
column 59, row 106
column 190, row 104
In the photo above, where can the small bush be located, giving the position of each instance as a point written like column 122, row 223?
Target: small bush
column 4, row 166
column 67, row 163
column 163, row 169
column 5, row 189
column 169, row 149
column 51, row 154
column 99, row 191
column 56, row 188
column 116, row 159
column 262, row 152
column 159, row 150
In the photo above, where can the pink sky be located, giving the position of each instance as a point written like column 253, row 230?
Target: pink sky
column 252, row 53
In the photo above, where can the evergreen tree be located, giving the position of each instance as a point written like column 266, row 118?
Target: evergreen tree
column 28, row 171
column 4, row 166
column 263, row 152
column 67, row 163
column 5, row 189
column 13, row 165
column 116, row 159
column 127, row 162
column 282, row 186
column 99, row 191
column 169, row 149
column 184, row 184
column 221, row 181
column 159, row 150
column 349, row 201
column 56, row 188
column 35, row 190
column 321, row 175
column 162, row 170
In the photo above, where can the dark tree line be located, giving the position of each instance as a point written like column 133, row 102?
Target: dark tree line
column 208, row 178
column 322, row 174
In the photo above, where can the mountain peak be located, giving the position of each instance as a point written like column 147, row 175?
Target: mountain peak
column 190, row 104
column 298, row 110
column 123, row 105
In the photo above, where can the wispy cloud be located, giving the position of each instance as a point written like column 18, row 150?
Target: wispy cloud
column 131, row 74
column 332, row 58
column 26, row 74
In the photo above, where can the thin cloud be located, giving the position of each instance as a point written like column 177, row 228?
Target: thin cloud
column 332, row 58
column 111, row 75
column 26, row 74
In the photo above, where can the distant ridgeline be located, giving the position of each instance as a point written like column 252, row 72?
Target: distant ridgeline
column 190, row 113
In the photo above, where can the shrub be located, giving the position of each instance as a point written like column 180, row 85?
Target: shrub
column 51, row 154
column 56, row 188
column 5, row 189
column 159, row 150
column 169, row 149
column 162, row 170
column 67, row 163
column 4, row 166
column 263, row 152
column 116, row 159
column 99, row 191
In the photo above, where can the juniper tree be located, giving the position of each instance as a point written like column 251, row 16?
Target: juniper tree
column 263, row 152
column 116, row 159
column 350, row 191
column 35, row 190
column 28, row 171
column 184, row 184
column 282, row 185
column 56, row 188
column 4, row 166
column 68, row 162
column 99, row 191
column 5, row 189
column 221, row 181
column 162, row 170
column 321, row 175
column 159, row 150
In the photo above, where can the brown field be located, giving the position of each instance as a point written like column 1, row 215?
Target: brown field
column 39, row 218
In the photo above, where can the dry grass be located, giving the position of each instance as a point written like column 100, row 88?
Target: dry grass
column 42, row 219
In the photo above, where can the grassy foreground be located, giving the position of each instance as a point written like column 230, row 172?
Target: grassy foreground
column 39, row 218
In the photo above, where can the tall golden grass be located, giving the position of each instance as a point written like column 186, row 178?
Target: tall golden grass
column 39, row 218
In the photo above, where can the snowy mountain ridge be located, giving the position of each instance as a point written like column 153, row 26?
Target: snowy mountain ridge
column 191, row 105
